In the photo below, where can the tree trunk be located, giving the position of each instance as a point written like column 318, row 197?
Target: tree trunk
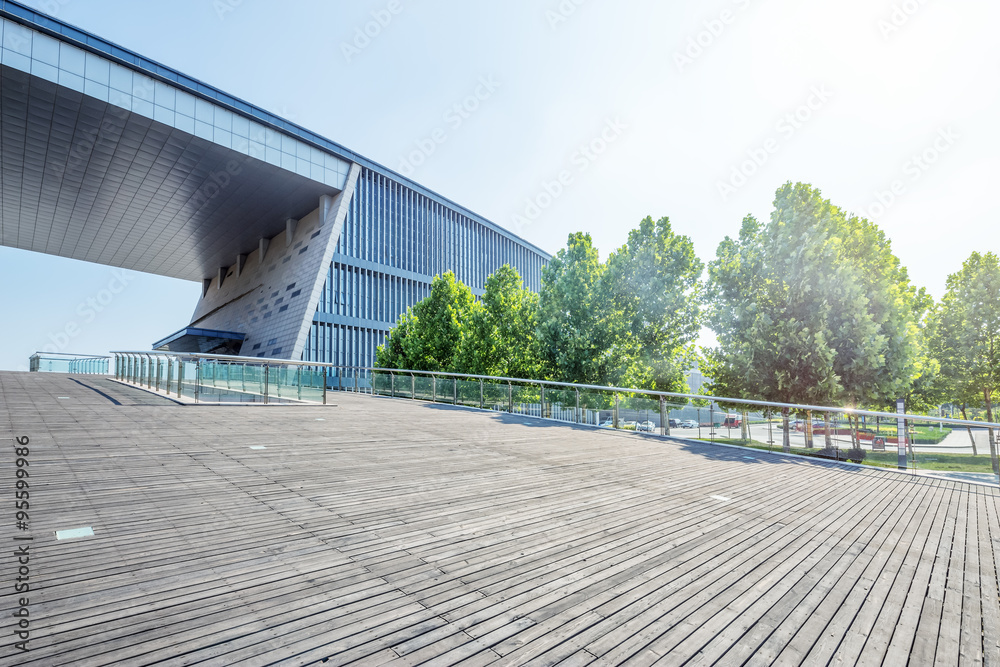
column 786, row 437
column 852, row 423
column 809, row 429
column 993, row 445
column 975, row 452
column 829, row 435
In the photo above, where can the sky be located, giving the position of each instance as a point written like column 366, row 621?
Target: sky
column 550, row 117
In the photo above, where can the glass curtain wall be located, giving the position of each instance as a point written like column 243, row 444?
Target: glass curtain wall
column 394, row 242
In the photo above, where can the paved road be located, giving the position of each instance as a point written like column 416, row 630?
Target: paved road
column 957, row 441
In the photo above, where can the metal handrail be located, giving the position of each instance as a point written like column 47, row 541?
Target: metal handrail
column 797, row 407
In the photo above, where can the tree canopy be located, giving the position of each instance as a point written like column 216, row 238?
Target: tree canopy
column 812, row 307
column 966, row 338
column 428, row 334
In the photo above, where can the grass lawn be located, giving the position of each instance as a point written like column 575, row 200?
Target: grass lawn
column 923, row 460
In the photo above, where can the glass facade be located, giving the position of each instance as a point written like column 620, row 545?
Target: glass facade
column 394, row 241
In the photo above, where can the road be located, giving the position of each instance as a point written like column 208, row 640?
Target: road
column 957, row 441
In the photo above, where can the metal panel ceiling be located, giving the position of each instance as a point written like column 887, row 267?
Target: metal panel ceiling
column 84, row 179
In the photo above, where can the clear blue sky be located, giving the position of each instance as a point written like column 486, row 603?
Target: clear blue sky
column 686, row 92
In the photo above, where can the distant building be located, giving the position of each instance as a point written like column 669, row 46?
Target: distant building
column 695, row 380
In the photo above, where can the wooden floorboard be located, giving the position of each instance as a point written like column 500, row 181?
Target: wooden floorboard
column 392, row 532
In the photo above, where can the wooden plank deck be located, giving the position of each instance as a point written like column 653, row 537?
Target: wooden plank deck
column 391, row 532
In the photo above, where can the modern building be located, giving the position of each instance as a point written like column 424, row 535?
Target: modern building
column 305, row 249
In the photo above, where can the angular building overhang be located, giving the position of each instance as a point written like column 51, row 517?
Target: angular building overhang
column 109, row 157
column 192, row 340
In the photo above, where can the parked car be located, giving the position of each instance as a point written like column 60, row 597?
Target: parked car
column 800, row 424
column 648, row 427
column 732, row 421
column 689, row 423
column 608, row 423
column 675, row 423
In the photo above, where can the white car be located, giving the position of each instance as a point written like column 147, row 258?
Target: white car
column 649, row 427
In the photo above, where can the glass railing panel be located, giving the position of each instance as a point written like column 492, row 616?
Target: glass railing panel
column 638, row 412
column 423, row 387
column 189, row 382
column 382, row 384
column 446, row 388
column 311, row 383
column 495, row 396
column 468, row 393
column 597, row 407
column 527, row 399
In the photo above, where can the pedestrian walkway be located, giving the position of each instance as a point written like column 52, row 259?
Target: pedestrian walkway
column 395, row 532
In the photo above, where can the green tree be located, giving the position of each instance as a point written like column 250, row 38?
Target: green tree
column 804, row 308
column 650, row 296
column 428, row 335
column 498, row 338
column 570, row 344
column 967, row 339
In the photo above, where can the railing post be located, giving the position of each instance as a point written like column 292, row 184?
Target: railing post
column 180, row 376
column 324, row 386
column 413, row 387
column 510, row 398
column 541, row 403
column 243, row 378
column 298, row 380
column 267, row 382
column 392, row 384
column 482, row 403
column 157, row 374
column 579, row 417
column 197, row 380
column 616, row 410
column 454, row 384
column 664, row 419
column 355, row 380
column 434, row 389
